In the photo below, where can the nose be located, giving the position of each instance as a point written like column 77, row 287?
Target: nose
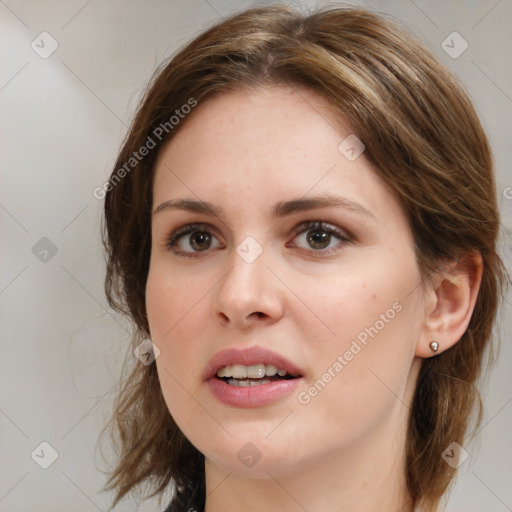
column 248, row 295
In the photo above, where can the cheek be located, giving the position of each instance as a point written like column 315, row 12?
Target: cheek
column 341, row 307
column 369, row 323
column 176, row 316
column 169, row 299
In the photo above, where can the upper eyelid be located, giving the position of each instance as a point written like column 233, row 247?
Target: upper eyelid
column 188, row 228
column 319, row 224
column 307, row 224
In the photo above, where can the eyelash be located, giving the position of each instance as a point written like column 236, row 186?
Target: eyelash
column 176, row 235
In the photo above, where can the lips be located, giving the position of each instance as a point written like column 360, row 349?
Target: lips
column 247, row 357
column 257, row 394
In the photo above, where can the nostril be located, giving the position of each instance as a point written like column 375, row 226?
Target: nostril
column 258, row 314
column 226, row 319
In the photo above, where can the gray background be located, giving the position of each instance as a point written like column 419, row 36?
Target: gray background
column 63, row 119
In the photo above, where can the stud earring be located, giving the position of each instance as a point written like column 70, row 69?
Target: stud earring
column 434, row 345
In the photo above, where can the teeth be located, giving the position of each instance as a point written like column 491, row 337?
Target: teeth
column 247, row 383
column 238, row 371
column 270, row 370
column 255, row 371
column 223, row 372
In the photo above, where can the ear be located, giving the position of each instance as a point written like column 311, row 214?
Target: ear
column 450, row 301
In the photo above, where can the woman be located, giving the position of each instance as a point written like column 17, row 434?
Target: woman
column 302, row 224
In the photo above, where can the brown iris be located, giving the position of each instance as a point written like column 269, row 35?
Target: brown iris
column 318, row 239
column 200, row 240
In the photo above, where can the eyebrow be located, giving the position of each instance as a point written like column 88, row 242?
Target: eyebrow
column 280, row 209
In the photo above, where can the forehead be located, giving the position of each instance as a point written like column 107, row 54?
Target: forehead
column 264, row 145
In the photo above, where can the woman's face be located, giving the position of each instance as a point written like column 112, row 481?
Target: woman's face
column 290, row 243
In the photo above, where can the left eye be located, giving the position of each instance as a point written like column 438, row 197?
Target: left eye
column 319, row 236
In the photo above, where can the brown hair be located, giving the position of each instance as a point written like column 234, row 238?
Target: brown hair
column 424, row 138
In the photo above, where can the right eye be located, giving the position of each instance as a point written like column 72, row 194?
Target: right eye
column 192, row 238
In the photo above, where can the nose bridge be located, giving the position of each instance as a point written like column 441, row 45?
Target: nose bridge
column 247, row 288
column 246, row 275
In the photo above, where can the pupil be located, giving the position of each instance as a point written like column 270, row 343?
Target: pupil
column 319, row 239
column 200, row 240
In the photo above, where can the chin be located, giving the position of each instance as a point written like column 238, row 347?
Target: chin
column 259, row 468
column 255, row 459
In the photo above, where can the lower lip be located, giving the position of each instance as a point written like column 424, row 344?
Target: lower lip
column 251, row 396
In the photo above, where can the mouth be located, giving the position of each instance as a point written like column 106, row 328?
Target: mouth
column 251, row 366
column 251, row 377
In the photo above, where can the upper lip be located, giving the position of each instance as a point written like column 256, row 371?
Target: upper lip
column 249, row 356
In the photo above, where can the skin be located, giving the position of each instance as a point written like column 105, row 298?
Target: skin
column 344, row 449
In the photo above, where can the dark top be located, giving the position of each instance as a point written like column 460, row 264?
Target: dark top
column 192, row 501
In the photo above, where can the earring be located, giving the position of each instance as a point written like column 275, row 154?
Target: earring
column 434, row 345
